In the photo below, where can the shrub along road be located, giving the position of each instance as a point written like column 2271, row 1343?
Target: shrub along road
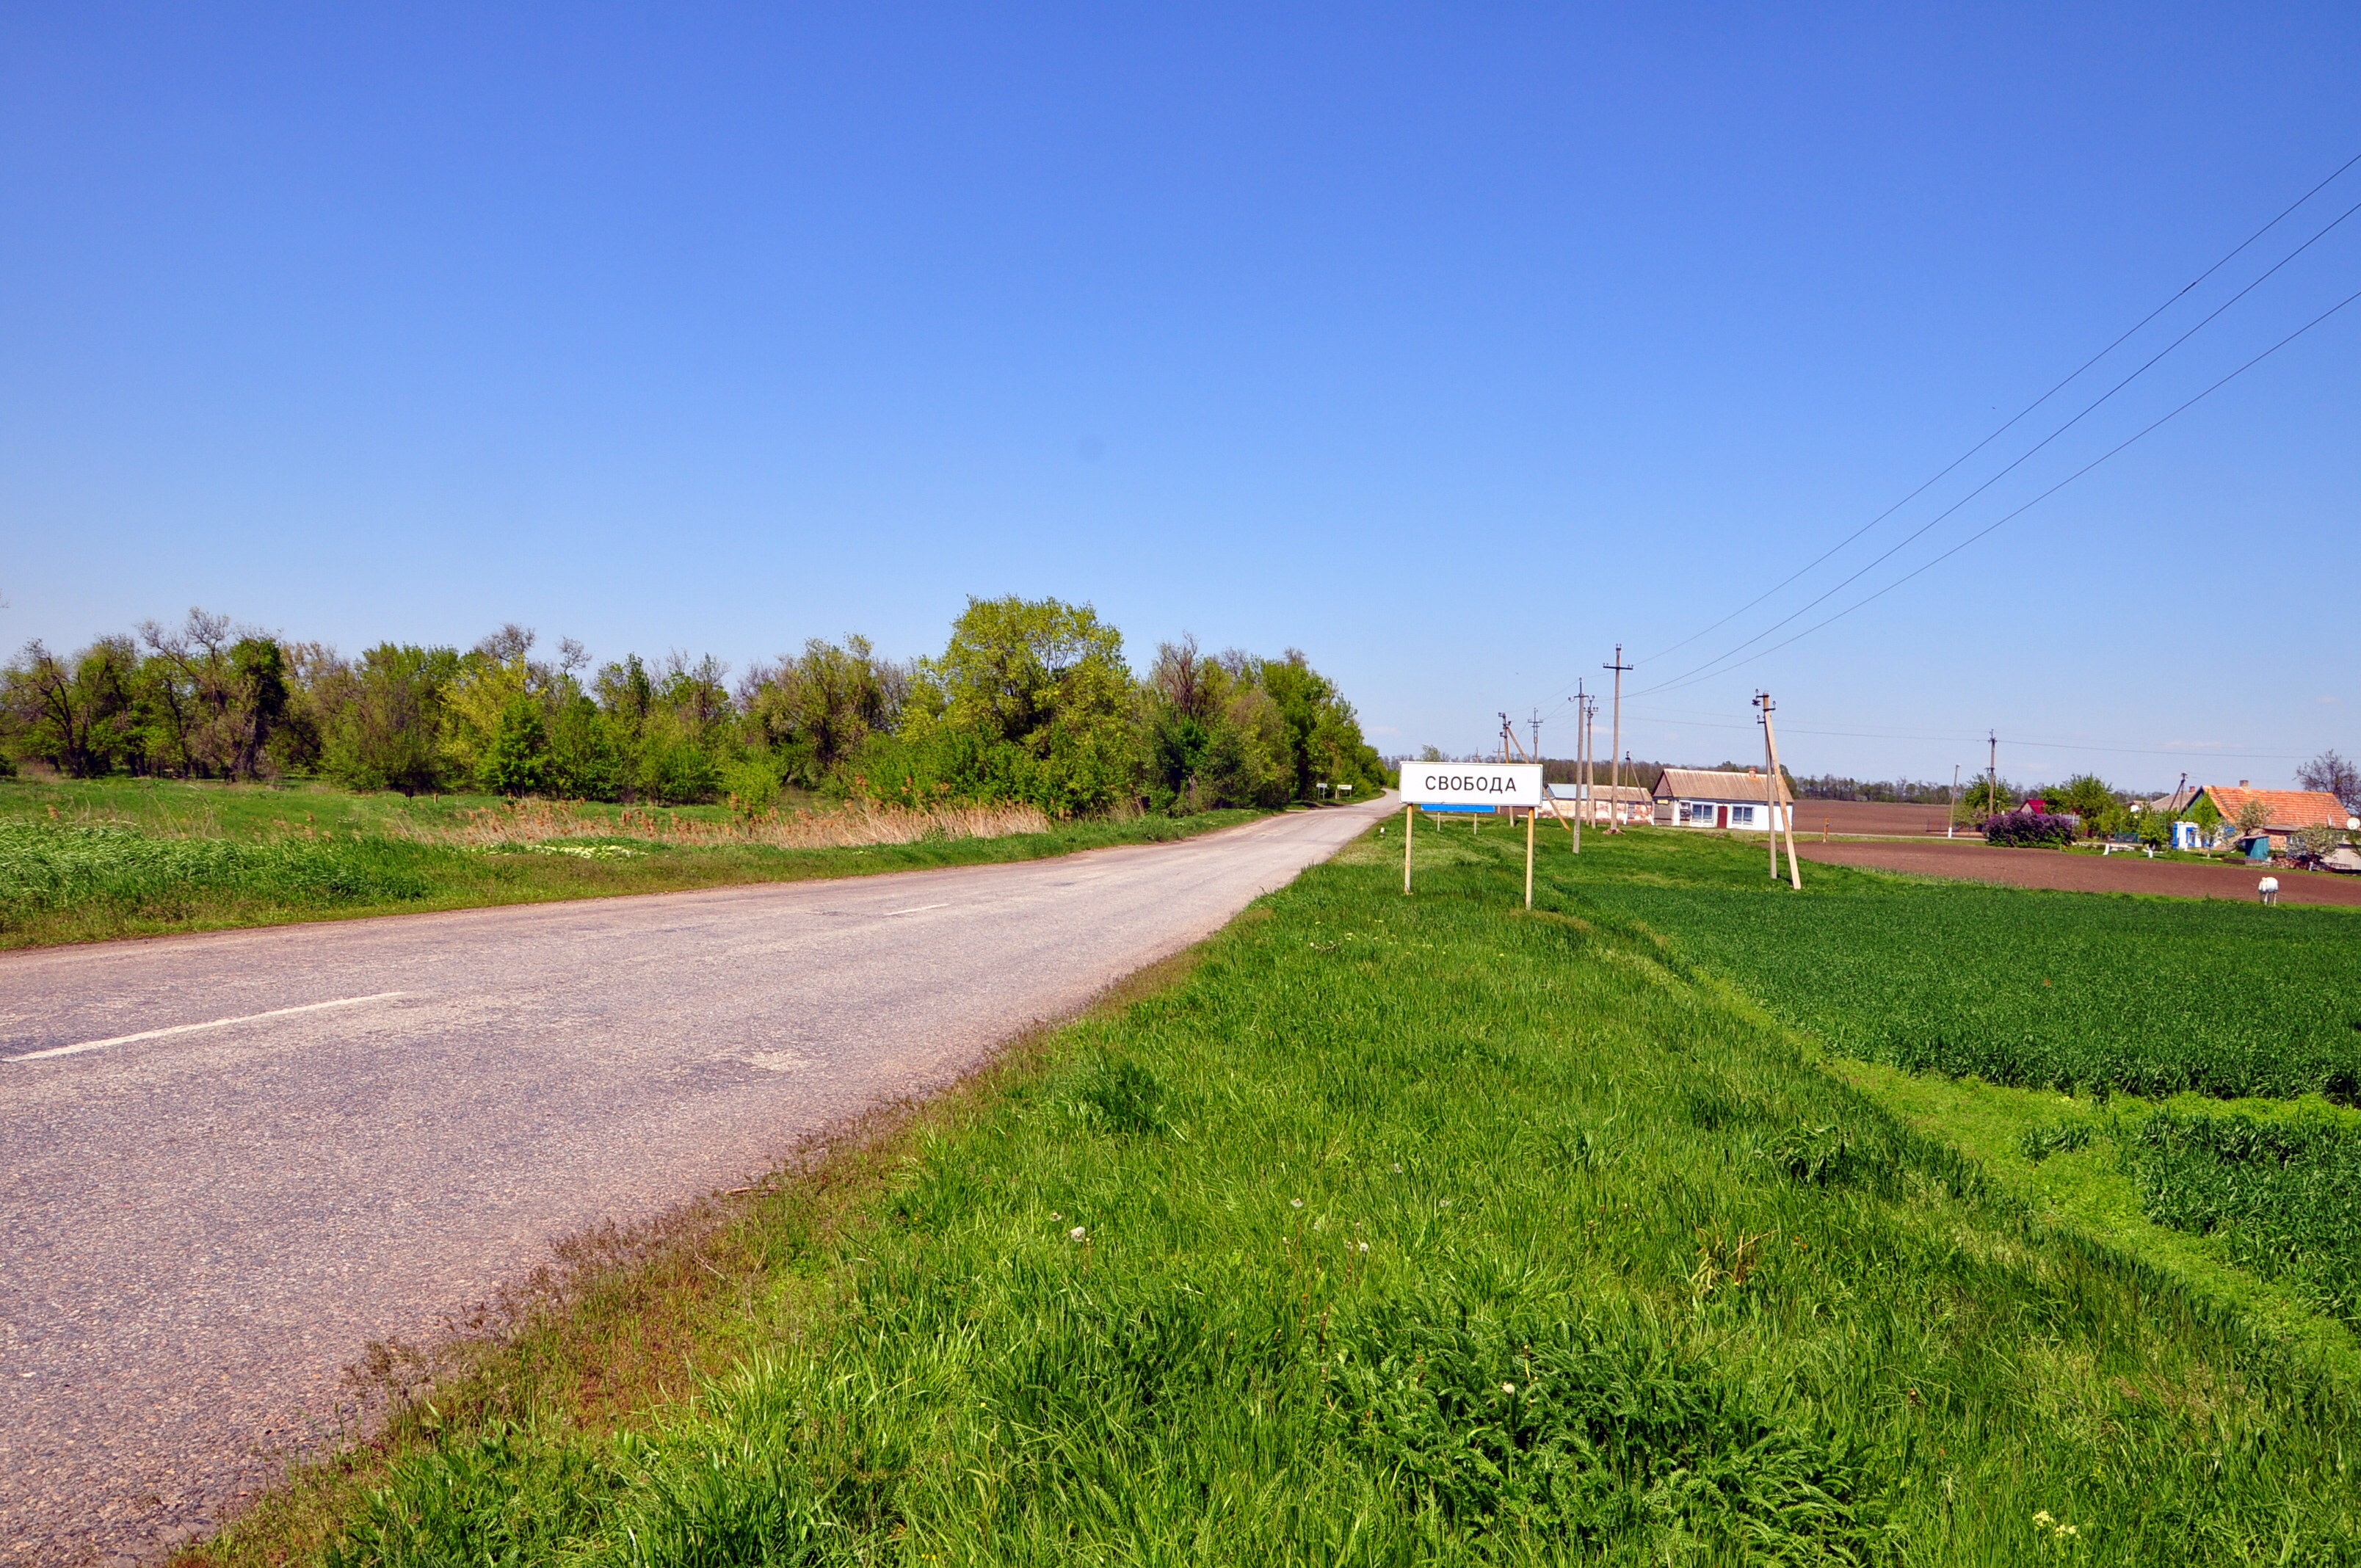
column 235, row 1159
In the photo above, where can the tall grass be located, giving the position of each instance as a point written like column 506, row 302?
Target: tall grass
column 45, row 868
column 856, row 825
column 1421, row 1229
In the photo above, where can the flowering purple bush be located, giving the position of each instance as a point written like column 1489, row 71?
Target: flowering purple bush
column 2024, row 829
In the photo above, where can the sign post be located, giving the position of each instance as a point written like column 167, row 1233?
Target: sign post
column 1471, row 786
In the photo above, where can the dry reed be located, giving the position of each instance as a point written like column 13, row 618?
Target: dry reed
column 535, row 822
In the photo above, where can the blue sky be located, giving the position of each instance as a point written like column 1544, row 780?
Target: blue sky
column 1453, row 346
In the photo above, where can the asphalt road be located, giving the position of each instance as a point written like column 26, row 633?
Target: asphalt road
column 229, row 1161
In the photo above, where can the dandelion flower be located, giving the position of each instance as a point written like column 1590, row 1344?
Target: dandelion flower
column 1295, row 1203
column 1365, row 1246
column 1077, row 1234
column 1055, row 1216
column 1508, row 1387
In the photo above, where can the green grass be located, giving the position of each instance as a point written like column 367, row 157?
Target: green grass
column 1401, row 1229
column 87, row 860
column 2064, row 991
column 2284, row 1195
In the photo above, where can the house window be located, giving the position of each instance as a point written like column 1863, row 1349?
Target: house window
column 1699, row 811
column 1742, row 816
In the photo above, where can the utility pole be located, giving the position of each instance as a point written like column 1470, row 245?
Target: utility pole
column 1991, row 800
column 1581, row 761
column 1615, row 752
column 1775, row 788
column 1770, row 807
column 1951, row 806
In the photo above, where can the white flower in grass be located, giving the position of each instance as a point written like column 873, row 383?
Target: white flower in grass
column 1078, row 1234
column 1365, row 1246
column 1297, row 1203
column 1508, row 1387
column 1397, row 1168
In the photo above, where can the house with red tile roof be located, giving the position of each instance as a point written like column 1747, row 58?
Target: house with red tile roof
column 2284, row 810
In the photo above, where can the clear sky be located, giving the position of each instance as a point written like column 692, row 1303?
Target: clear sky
column 1451, row 345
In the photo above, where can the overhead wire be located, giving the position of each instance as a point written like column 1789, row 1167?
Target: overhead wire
column 2019, row 416
column 1705, row 673
column 1920, row 531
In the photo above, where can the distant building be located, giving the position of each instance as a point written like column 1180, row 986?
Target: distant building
column 1711, row 797
column 2284, row 811
column 1615, row 803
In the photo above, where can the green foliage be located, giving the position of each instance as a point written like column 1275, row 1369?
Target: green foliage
column 1031, row 701
column 2086, row 795
column 2062, row 990
column 1422, row 1251
column 515, row 761
column 387, row 732
column 2281, row 1194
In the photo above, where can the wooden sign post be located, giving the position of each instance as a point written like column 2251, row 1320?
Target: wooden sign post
column 1471, row 786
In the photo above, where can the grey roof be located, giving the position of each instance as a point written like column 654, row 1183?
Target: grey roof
column 1714, row 783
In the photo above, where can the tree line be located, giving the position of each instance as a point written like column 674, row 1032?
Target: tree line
column 1031, row 700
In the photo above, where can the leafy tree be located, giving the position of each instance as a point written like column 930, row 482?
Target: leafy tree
column 76, row 714
column 2085, row 795
column 516, row 761
column 2338, row 776
column 587, row 757
column 387, row 732
column 813, row 713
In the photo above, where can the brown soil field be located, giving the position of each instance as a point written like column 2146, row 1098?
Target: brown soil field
column 1814, row 818
column 2086, row 873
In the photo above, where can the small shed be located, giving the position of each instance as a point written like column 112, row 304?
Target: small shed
column 1750, row 802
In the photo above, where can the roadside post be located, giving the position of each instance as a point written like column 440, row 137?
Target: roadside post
column 1471, row 787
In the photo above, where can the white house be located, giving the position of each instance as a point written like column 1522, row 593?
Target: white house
column 1710, row 798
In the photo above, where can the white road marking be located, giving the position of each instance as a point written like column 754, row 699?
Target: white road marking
column 192, row 1028
column 917, row 909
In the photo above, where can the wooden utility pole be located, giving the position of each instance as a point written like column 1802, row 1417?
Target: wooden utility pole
column 1410, row 818
column 1770, row 804
column 1771, row 743
column 1530, row 813
column 1951, row 806
column 1615, row 755
column 1991, row 800
column 1581, row 761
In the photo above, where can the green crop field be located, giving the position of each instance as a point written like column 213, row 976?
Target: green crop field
column 1401, row 1229
column 2285, row 1196
column 88, row 860
column 2076, row 991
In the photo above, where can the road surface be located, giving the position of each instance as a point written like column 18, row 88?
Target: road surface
column 231, row 1160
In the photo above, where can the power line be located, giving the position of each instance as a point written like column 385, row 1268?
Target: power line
column 1920, row 532
column 1695, row 675
column 2013, row 420
column 2181, row 751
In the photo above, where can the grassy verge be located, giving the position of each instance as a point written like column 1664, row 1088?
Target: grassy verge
column 1399, row 1230
column 88, row 861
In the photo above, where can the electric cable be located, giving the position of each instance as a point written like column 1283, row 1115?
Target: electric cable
column 1920, row 532
column 2016, row 418
column 1704, row 672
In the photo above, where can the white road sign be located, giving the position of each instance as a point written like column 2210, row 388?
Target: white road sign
column 1471, row 783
